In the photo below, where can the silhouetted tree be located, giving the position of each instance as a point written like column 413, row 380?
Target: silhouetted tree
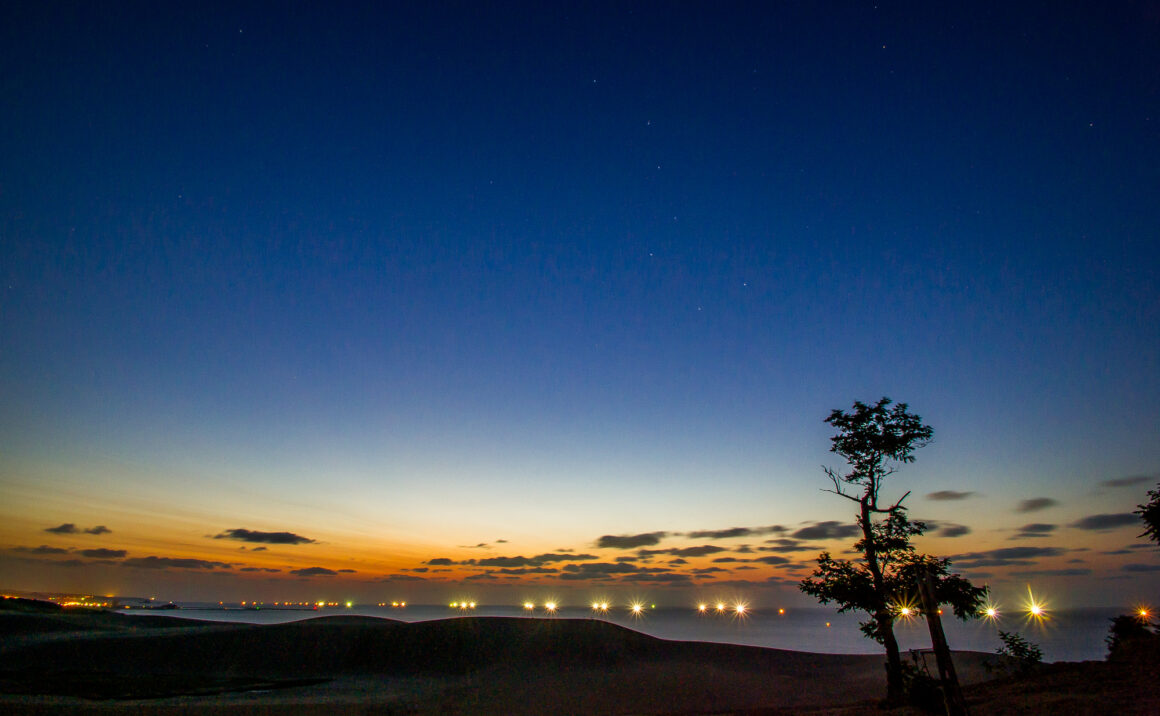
column 1150, row 513
column 875, row 440
column 1132, row 636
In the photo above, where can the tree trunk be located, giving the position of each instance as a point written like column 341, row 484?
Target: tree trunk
column 882, row 615
column 894, row 687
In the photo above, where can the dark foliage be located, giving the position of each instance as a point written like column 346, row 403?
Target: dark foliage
column 875, row 440
column 1026, row 655
column 1132, row 636
column 1150, row 513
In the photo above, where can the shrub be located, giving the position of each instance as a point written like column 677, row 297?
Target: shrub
column 1026, row 656
column 1131, row 636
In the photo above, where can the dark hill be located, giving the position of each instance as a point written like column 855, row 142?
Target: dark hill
column 332, row 646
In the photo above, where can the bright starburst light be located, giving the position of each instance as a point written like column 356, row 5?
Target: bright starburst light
column 990, row 611
column 1036, row 609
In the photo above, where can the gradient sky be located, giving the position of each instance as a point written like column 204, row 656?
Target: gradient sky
column 425, row 300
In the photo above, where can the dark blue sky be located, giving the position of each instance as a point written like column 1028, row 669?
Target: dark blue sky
column 474, row 242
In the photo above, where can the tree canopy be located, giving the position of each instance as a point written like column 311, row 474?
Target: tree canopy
column 883, row 581
column 1150, row 513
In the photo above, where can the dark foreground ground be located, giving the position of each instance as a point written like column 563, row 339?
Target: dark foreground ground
column 99, row 662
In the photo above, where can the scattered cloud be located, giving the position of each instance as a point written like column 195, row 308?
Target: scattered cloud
column 1133, row 567
column 103, row 553
column 1034, row 529
column 700, row 551
column 772, row 559
column 1099, row 523
column 1007, row 556
column 42, row 549
column 785, row 544
column 68, row 528
column 1072, row 572
column 1035, row 504
column 661, row 577
column 403, row 578
column 537, row 561
column 594, row 568
column 313, row 572
column 733, row 532
column 946, row 529
column 948, row 495
column 244, row 535
column 645, row 539
column 516, row 561
column 529, row 570
column 259, row 569
column 501, row 541
column 827, row 530
column 1128, row 481
column 172, row 563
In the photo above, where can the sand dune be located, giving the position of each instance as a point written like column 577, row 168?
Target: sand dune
column 367, row 665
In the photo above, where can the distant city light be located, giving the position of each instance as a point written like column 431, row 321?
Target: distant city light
column 529, row 606
column 1035, row 608
column 702, row 607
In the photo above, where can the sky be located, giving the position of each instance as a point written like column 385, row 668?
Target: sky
column 502, row 300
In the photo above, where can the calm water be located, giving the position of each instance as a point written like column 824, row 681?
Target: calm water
column 1072, row 635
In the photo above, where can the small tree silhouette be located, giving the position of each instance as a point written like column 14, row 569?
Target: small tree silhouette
column 1150, row 513
column 874, row 440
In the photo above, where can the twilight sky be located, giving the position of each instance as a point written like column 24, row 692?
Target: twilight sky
column 513, row 299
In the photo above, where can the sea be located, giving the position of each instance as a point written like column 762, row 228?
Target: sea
column 1064, row 635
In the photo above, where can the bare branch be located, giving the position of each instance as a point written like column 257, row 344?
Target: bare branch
column 842, row 494
column 898, row 504
column 836, row 479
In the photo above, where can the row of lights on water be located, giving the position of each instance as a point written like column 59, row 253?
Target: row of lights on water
column 1033, row 608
